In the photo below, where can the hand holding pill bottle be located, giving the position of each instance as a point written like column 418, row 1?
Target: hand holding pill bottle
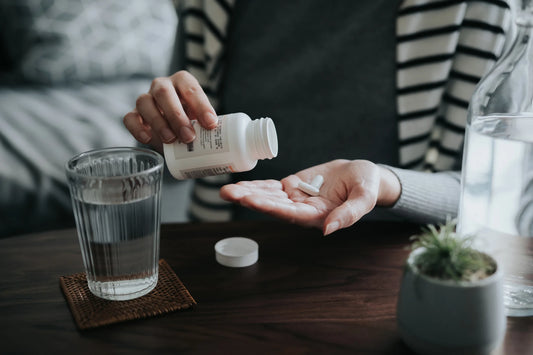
column 235, row 145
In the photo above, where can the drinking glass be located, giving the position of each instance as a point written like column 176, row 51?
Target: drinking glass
column 116, row 198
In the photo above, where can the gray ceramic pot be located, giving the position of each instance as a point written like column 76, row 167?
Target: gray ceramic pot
column 449, row 317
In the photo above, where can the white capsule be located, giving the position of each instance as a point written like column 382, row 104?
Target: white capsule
column 317, row 181
column 308, row 189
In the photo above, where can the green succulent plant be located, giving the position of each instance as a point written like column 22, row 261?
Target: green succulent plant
column 450, row 257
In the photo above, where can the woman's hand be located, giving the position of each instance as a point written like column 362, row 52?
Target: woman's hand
column 351, row 189
column 164, row 114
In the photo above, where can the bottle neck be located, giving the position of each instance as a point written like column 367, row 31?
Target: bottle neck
column 524, row 13
column 523, row 40
column 523, row 18
column 261, row 139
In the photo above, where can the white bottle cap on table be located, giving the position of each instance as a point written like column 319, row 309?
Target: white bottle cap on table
column 236, row 252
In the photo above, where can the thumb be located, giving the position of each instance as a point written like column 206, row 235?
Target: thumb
column 346, row 214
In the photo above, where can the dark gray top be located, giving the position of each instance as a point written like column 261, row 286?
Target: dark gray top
column 323, row 71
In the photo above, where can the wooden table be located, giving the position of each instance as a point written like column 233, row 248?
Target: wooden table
column 307, row 294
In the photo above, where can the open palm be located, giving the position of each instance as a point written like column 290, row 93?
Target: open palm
column 351, row 189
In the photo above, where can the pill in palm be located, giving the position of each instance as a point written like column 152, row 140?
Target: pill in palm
column 317, row 181
column 313, row 188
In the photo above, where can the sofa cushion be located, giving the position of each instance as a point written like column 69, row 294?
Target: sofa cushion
column 58, row 41
column 41, row 127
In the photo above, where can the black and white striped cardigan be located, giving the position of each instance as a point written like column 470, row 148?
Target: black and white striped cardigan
column 443, row 49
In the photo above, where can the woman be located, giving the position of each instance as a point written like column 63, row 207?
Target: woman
column 365, row 81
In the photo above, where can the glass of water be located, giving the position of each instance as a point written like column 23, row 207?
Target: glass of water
column 116, row 198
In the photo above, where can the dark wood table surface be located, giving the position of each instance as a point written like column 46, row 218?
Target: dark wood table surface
column 307, row 294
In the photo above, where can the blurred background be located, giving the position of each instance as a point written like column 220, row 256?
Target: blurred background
column 69, row 71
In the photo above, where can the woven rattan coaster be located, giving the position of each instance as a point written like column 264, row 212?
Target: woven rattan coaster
column 90, row 311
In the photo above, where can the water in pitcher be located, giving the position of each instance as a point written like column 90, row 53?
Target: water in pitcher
column 497, row 200
column 115, row 240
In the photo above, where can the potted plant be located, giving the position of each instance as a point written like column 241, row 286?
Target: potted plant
column 451, row 296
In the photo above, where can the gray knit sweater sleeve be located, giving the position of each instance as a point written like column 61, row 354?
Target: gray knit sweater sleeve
column 427, row 197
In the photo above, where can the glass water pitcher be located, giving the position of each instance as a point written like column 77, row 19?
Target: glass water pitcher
column 497, row 177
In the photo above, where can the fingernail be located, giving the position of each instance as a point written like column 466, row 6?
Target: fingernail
column 330, row 228
column 212, row 119
column 187, row 134
column 144, row 137
column 167, row 135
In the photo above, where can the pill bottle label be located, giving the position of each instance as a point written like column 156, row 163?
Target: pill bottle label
column 206, row 171
column 212, row 141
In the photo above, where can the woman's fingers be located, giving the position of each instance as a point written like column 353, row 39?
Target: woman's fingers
column 361, row 200
column 135, row 124
column 168, row 102
column 344, row 216
column 152, row 116
column 278, row 199
column 194, row 98
column 235, row 192
column 284, row 208
column 351, row 189
column 167, row 110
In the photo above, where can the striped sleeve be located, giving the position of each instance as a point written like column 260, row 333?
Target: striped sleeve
column 205, row 30
column 443, row 48
column 204, row 24
column 480, row 43
column 206, row 204
column 427, row 33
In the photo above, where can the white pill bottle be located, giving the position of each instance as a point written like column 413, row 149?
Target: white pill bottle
column 235, row 145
